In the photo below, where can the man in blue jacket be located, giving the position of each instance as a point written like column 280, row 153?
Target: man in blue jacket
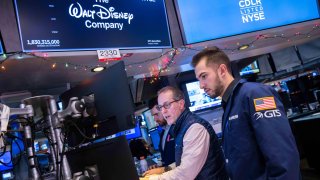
column 167, row 144
column 198, row 154
column 256, row 136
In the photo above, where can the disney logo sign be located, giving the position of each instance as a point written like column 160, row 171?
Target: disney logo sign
column 77, row 11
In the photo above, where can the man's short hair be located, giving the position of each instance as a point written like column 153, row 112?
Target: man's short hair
column 177, row 93
column 152, row 102
column 214, row 56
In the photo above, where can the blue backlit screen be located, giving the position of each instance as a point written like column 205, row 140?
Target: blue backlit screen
column 250, row 69
column 6, row 158
column 1, row 48
column 204, row 20
column 198, row 99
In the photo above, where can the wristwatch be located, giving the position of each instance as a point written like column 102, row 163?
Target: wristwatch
column 167, row 168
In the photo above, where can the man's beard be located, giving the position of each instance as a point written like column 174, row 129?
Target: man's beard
column 218, row 91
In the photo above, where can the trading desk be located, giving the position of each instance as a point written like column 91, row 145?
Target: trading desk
column 307, row 132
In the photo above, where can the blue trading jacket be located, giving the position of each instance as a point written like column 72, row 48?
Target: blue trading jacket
column 257, row 138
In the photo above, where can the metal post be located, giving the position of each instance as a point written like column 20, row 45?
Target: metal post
column 66, row 172
column 33, row 170
column 53, row 146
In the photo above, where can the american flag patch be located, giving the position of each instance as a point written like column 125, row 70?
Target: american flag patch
column 264, row 103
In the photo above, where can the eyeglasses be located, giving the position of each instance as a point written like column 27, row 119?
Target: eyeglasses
column 166, row 105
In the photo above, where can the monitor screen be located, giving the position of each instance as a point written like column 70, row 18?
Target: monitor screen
column 204, row 20
column 6, row 159
column 293, row 86
column 214, row 117
column 198, row 99
column 113, row 104
column 155, row 138
column 250, row 69
column 7, row 176
column 110, row 159
column 148, row 118
column 59, row 106
column 91, row 25
column 36, row 146
column 132, row 133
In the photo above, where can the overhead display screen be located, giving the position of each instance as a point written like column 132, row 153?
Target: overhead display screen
column 204, row 20
column 64, row 25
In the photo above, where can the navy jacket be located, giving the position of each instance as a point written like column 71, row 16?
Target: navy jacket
column 214, row 167
column 167, row 154
column 257, row 138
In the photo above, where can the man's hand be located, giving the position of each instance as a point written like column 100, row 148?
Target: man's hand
column 154, row 171
column 152, row 167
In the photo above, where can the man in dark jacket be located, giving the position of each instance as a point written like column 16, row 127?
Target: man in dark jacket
column 167, row 144
column 256, row 136
column 198, row 154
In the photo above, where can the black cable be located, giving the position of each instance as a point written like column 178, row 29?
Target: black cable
column 46, row 133
column 4, row 147
column 20, row 154
column 82, row 134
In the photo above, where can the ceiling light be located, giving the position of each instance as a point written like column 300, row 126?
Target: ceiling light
column 243, row 47
column 98, row 69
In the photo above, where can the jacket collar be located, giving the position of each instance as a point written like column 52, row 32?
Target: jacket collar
column 180, row 120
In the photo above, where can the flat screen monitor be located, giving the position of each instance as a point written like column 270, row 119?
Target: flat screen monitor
column 110, row 159
column 250, row 69
column 293, row 85
column 92, row 24
column 203, row 20
column 148, row 118
column 214, row 117
column 113, row 104
column 132, row 133
column 155, row 138
column 198, row 99
column 6, row 159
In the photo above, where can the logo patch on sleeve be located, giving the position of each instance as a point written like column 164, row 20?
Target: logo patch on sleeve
column 264, row 103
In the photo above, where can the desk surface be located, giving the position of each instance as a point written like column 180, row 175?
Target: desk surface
column 308, row 117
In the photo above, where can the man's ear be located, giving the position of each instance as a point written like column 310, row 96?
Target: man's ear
column 222, row 70
column 182, row 103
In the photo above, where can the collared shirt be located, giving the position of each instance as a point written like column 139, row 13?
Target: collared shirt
column 196, row 144
column 228, row 92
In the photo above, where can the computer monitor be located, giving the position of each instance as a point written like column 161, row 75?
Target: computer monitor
column 148, row 118
column 111, row 159
column 6, row 162
column 112, row 100
column 250, row 69
column 293, row 85
column 214, row 117
column 132, row 133
column 197, row 99
column 155, row 138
